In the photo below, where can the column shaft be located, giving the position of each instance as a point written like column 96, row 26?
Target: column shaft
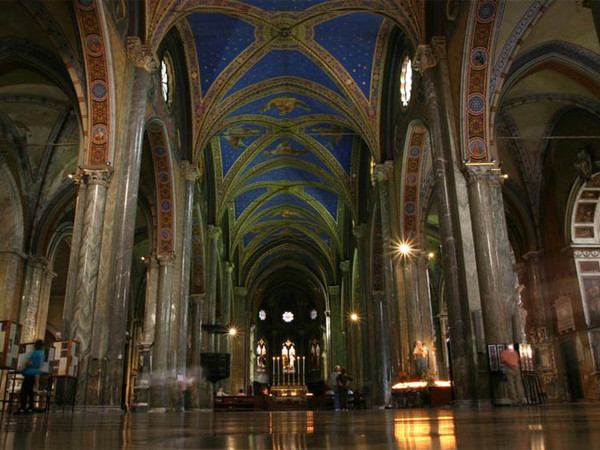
column 87, row 276
column 214, row 236
column 161, row 378
column 11, row 268
column 197, row 307
column 36, row 267
column 123, row 237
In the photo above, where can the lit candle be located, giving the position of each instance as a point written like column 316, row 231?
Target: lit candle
column 304, row 370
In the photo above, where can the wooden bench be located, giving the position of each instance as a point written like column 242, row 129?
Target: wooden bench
column 238, row 403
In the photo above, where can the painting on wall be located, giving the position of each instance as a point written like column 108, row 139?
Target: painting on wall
column 591, row 300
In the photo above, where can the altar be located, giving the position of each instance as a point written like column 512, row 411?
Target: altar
column 289, row 390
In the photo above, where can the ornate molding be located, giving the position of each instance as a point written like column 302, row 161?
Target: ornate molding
column 586, row 254
column 141, row 55
column 240, row 291
column 197, row 298
column 482, row 173
column 167, row 259
column 214, row 233
column 425, row 58
column 382, row 172
column 228, row 266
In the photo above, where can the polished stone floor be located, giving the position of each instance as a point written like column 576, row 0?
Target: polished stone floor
column 571, row 427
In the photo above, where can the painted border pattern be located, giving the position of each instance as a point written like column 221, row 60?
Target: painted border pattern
column 477, row 76
column 412, row 178
column 164, row 188
column 98, row 86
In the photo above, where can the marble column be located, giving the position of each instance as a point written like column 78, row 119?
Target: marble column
column 161, row 378
column 143, row 63
column 535, row 288
column 97, row 180
column 36, row 268
column 12, row 264
column 336, row 352
column 365, row 309
column 196, row 308
column 383, row 388
column 226, row 298
column 214, row 239
column 463, row 355
column 43, row 304
column 398, row 337
column 190, row 175
column 141, row 401
column 492, row 251
column 71, row 287
column 348, row 353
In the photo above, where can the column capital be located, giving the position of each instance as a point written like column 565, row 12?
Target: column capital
column 166, row 259
column 38, row 262
column 382, row 172
column 333, row 290
column 99, row 175
column 345, row 266
column 228, row 266
column 533, row 257
column 214, row 232
column 483, row 173
column 425, row 58
column 359, row 230
column 141, row 55
column 189, row 171
column 240, row 291
column 197, row 298
column 438, row 44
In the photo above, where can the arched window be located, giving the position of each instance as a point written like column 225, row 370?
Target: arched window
column 405, row 81
column 167, row 79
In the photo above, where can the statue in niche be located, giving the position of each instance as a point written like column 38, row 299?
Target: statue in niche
column 584, row 164
column 288, row 356
column 315, row 355
column 261, row 356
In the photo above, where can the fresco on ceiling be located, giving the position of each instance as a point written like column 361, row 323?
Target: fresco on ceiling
column 284, row 63
column 285, row 147
column 335, row 138
column 219, row 39
column 291, row 255
column 285, row 173
column 286, row 215
column 245, row 199
column 356, row 54
column 282, row 5
column 282, row 201
column 274, row 105
column 285, row 233
column 234, row 140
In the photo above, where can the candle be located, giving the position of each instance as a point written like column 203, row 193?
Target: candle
column 304, row 369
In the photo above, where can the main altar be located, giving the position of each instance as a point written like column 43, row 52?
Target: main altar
column 288, row 388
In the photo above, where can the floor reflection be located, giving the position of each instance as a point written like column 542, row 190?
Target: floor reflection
column 567, row 426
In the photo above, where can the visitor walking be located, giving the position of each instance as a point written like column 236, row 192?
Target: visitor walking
column 32, row 368
column 334, row 387
column 343, row 382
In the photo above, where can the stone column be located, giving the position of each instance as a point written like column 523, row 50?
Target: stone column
column 144, row 63
column 161, row 378
column 44, row 303
column 492, row 251
column 226, row 298
column 383, row 388
column 365, row 309
column 96, row 180
column 348, row 353
column 11, row 268
column 214, row 238
column 336, row 352
column 196, row 309
column 36, row 268
column 190, row 175
column 398, row 340
column 463, row 357
column 535, row 288
column 71, row 287
column 246, row 342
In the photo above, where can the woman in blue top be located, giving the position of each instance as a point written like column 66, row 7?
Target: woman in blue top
column 32, row 368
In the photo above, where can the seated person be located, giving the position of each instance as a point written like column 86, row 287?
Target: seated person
column 241, row 393
column 220, row 393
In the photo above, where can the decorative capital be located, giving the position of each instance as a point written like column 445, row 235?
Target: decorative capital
column 482, row 173
column 189, row 171
column 438, row 43
column 228, row 266
column 345, row 266
column 141, row 55
column 214, row 232
column 359, row 230
column 97, row 175
column 166, row 259
column 333, row 290
column 240, row 291
column 381, row 172
column 197, row 298
column 425, row 58
column 534, row 256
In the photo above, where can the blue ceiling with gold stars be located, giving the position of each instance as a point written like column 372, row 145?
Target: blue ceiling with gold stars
column 289, row 97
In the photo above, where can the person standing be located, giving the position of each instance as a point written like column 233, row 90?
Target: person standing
column 334, row 387
column 343, row 382
column 510, row 361
column 420, row 358
column 32, row 369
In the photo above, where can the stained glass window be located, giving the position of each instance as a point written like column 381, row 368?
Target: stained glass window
column 166, row 79
column 262, row 315
column 406, row 81
column 287, row 316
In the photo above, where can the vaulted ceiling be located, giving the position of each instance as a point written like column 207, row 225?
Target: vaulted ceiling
column 290, row 96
